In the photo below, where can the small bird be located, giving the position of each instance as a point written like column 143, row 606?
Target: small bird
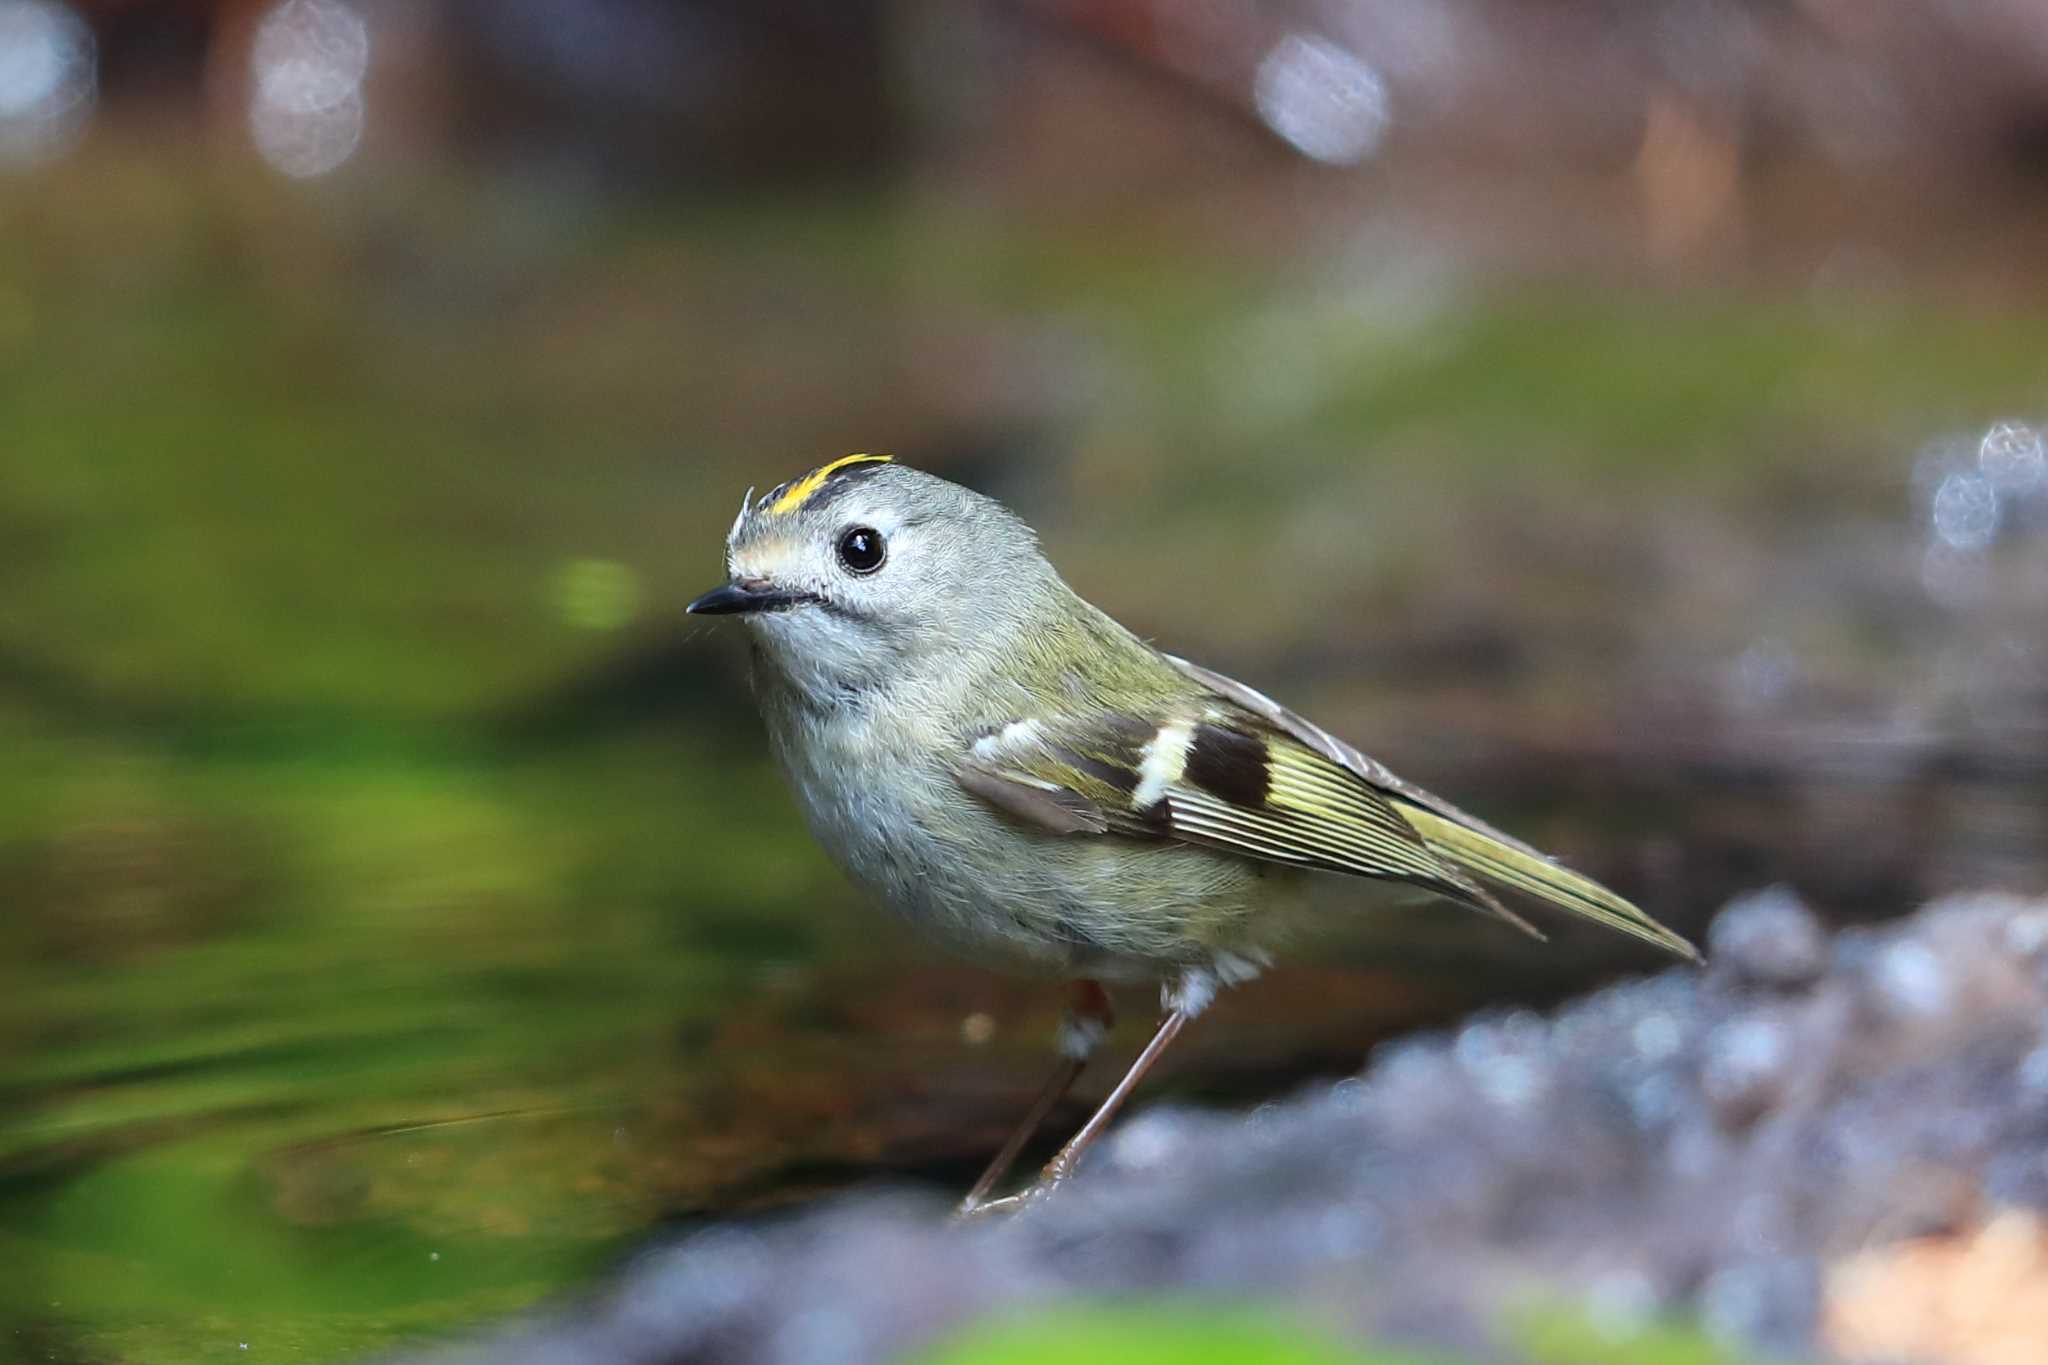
column 1012, row 771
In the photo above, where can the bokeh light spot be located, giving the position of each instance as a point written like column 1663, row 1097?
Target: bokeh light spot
column 49, row 78
column 1323, row 100
column 308, row 64
column 1966, row 511
column 1954, row 578
column 2013, row 458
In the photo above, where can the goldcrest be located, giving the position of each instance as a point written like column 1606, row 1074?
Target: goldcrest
column 999, row 762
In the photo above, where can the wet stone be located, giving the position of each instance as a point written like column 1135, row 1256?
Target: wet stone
column 1747, row 1067
column 1769, row 939
column 1770, row 1304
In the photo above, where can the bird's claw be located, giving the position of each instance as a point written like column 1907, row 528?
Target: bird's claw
column 988, row 1208
column 1031, row 1197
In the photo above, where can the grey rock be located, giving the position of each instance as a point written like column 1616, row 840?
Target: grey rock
column 1768, row 939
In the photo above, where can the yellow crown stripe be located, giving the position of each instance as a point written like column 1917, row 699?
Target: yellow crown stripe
column 800, row 492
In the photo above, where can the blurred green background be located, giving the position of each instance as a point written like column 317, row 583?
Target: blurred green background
column 1621, row 417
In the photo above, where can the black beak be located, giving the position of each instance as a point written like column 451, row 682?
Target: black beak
column 747, row 595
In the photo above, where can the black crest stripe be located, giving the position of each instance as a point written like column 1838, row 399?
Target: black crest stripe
column 836, row 483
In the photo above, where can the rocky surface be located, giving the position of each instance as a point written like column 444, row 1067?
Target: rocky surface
column 1707, row 1144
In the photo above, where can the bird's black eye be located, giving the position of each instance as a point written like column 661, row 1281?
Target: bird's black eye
column 862, row 549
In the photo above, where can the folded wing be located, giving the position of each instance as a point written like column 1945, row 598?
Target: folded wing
column 1212, row 774
column 1231, row 769
column 1463, row 840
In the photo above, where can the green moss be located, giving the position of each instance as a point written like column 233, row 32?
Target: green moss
column 1567, row 1336
column 1166, row 1333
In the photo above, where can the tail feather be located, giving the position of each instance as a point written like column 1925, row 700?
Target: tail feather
column 1483, row 856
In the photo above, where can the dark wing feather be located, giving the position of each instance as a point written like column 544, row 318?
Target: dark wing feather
column 1462, row 840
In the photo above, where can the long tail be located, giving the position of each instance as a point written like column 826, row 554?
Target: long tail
column 1518, row 869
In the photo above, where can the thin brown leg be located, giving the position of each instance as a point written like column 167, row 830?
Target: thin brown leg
column 1089, row 1019
column 1056, row 1087
column 1062, row 1166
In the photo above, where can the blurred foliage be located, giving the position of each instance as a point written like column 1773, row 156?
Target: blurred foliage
column 1160, row 1334
column 1181, row 1333
column 1567, row 1336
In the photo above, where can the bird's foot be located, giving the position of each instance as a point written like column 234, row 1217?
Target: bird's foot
column 976, row 1209
column 1040, row 1190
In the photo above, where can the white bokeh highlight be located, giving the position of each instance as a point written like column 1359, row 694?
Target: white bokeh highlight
column 1322, row 99
column 2013, row 456
column 307, row 67
column 49, row 80
column 1965, row 511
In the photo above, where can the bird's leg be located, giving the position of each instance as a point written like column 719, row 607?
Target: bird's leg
column 1062, row 1165
column 1088, row 1021
column 1182, row 1001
